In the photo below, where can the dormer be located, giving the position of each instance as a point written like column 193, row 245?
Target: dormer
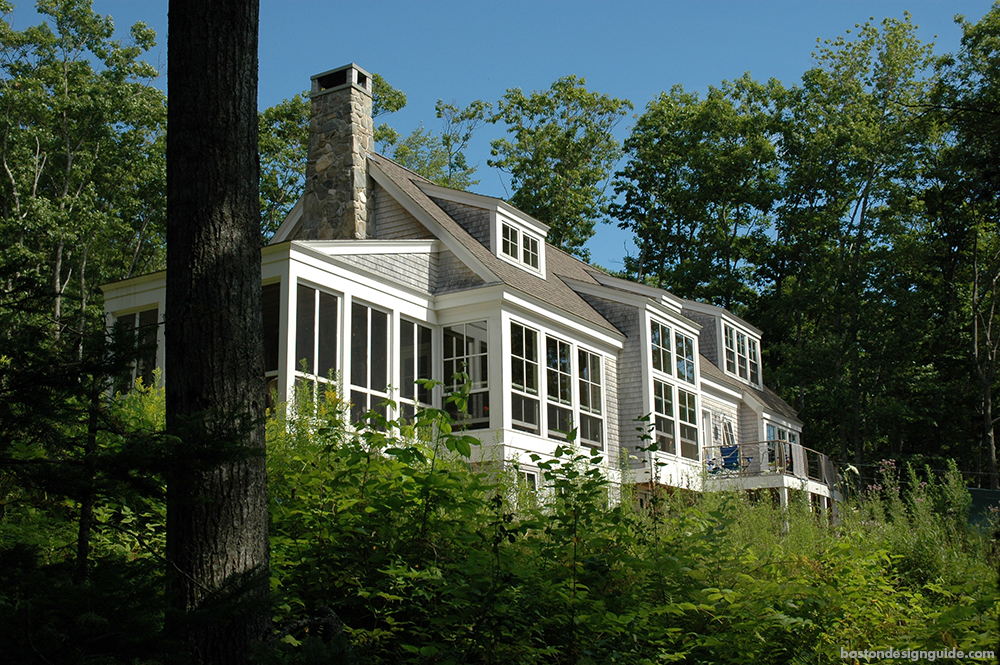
column 510, row 235
column 732, row 344
column 519, row 239
column 741, row 351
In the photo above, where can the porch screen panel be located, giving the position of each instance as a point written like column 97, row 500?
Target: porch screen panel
column 327, row 354
column 305, row 328
column 270, row 304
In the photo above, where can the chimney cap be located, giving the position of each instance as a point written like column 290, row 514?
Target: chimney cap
column 342, row 77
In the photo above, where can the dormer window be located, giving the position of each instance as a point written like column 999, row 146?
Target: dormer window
column 531, row 251
column 742, row 358
column 510, row 243
column 519, row 247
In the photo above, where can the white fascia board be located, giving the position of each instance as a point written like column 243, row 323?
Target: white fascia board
column 720, row 390
column 764, row 411
column 723, row 313
column 536, row 309
column 291, row 224
column 661, row 295
column 370, row 247
column 487, row 203
column 452, row 243
column 486, row 296
column 135, row 293
column 635, row 299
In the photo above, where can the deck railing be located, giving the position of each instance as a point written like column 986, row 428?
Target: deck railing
column 769, row 457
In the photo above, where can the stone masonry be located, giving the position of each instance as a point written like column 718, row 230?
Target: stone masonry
column 341, row 136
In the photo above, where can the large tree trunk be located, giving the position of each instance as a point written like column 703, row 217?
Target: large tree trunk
column 217, row 497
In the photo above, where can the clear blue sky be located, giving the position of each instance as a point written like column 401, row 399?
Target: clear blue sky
column 466, row 50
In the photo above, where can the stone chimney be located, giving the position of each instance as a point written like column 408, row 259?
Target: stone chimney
column 340, row 139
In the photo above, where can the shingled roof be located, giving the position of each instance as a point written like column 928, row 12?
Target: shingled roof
column 553, row 291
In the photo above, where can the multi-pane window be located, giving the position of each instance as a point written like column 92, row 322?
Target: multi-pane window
column 686, row 411
column 730, row 349
column 519, row 246
column 369, row 361
column 660, row 340
column 663, row 412
column 509, row 240
column 530, row 252
column 465, row 348
column 591, row 399
column 781, row 434
column 315, row 334
column 524, row 378
column 143, row 325
column 414, row 367
column 742, row 357
column 684, row 348
column 559, row 387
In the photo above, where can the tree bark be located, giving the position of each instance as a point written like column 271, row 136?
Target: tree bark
column 217, row 544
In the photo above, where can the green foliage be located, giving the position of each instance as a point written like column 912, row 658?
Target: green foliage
column 440, row 157
column 283, row 142
column 398, row 550
column 698, row 189
column 385, row 99
column 560, row 156
column 82, row 150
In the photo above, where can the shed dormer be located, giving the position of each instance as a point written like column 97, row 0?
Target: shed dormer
column 511, row 235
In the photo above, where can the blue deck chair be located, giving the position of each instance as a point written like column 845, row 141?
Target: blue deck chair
column 731, row 458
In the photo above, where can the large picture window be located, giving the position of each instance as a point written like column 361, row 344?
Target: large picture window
column 591, row 431
column 465, row 349
column 369, row 361
column 558, row 387
column 414, row 366
column 524, row 378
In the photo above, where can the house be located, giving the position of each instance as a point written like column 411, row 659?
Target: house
column 380, row 277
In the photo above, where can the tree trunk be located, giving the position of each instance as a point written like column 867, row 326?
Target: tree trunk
column 217, row 495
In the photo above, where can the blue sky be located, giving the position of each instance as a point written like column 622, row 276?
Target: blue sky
column 462, row 51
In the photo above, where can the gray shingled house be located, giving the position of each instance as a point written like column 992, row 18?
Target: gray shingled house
column 382, row 278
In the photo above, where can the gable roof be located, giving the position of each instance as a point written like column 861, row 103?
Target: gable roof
column 552, row 291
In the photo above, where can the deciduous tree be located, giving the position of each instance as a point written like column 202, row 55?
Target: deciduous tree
column 560, row 155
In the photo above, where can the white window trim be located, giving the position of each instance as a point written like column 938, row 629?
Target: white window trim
column 751, row 350
column 499, row 224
